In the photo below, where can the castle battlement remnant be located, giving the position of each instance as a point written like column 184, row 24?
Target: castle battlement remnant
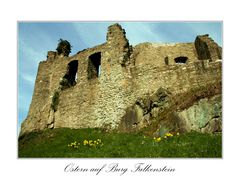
column 117, row 86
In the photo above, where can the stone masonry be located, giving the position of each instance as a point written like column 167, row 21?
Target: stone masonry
column 98, row 86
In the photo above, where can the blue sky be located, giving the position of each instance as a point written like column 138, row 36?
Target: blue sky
column 36, row 38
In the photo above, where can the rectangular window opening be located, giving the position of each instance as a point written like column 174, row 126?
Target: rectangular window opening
column 70, row 78
column 94, row 65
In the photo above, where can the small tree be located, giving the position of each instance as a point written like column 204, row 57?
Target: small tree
column 64, row 47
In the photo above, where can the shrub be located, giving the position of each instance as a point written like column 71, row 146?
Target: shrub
column 55, row 100
column 64, row 47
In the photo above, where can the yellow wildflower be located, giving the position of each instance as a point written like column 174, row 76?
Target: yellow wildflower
column 90, row 142
column 85, row 142
column 168, row 134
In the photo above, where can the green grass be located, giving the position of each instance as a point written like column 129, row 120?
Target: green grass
column 54, row 143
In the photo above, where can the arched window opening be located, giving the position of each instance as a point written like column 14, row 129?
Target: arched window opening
column 181, row 60
column 94, row 65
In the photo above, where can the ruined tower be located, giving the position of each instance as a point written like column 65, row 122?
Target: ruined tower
column 117, row 86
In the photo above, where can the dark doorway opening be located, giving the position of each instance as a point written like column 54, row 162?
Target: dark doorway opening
column 94, row 65
column 69, row 79
column 181, row 60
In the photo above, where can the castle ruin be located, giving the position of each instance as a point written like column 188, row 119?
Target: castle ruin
column 117, row 86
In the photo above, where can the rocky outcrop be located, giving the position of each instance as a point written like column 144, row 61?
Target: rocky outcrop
column 204, row 115
column 151, row 113
column 144, row 110
column 200, row 110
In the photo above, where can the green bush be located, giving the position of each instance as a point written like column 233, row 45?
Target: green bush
column 64, row 47
column 55, row 100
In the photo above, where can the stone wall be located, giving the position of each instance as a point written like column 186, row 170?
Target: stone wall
column 40, row 106
column 177, row 78
column 110, row 78
column 155, row 54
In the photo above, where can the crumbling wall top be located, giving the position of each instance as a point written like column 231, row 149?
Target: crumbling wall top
column 116, row 35
column 51, row 55
column 207, row 49
column 118, row 44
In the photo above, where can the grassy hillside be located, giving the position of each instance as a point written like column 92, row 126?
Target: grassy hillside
column 95, row 143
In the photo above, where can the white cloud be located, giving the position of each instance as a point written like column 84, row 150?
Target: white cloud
column 158, row 32
column 91, row 33
column 211, row 28
column 28, row 77
column 94, row 34
column 31, row 55
column 140, row 32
